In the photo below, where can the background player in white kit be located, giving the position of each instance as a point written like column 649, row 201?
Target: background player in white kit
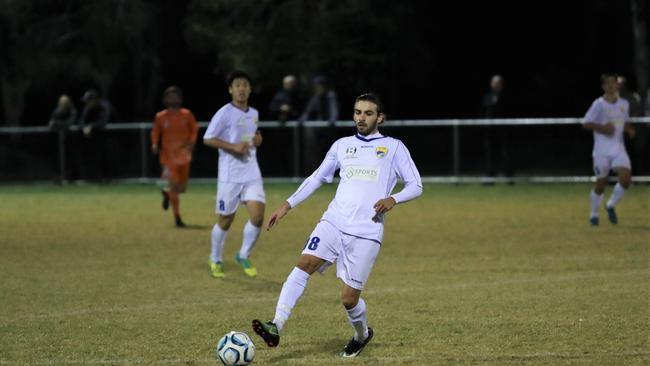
column 351, row 230
column 608, row 118
column 233, row 130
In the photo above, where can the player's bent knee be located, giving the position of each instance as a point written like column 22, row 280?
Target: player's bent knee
column 309, row 264
column 226, row 221
column 349, row 299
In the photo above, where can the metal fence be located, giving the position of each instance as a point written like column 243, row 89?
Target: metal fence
column 446, row 150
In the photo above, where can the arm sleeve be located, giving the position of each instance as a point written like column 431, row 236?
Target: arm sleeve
column 593, row 114
column 194, row 128
column 104, row 115
column 155, row 132
column 408, row 172
column 217, row 126
column 324, row 174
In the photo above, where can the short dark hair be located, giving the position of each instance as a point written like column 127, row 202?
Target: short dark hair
column 606, row 75
column 173, row 90
column 237, row 74
column 372, row 98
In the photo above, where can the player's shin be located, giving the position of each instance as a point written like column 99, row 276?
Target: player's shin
column 292, row 289
column 616, row 196
column 250, row 235
column 218, row 239
column 357, row 317
column 596, row 199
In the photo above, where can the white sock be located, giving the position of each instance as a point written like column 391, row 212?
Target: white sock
column 250, row 235
column 218, row 239
column 595, row 203
column 616, row 196
column 357, row 317
column 292, row 289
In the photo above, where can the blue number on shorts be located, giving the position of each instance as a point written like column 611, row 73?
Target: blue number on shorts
column 222, row 205
column 312, row 243
column 597, row 171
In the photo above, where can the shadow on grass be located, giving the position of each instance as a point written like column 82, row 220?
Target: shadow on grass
column 331, row 347
column 196, row 227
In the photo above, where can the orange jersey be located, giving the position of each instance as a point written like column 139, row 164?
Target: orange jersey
column 178, row 130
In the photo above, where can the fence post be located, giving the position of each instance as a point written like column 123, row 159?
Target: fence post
column 296, row 149
column 143, row 151
column 456, row 149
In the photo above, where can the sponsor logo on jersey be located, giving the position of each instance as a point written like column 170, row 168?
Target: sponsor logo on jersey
column 381, row 151
column 358, row 172
column 350, row 152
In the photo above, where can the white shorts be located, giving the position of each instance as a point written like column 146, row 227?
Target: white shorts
column 604, row 163
column 354, row 256
column 230, row 195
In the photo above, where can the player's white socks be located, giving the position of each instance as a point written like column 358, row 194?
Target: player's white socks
column 218, row 239
column 292, row 289
column 595, row 203
column 357, row 317
column 250, row 235
column 616, row 196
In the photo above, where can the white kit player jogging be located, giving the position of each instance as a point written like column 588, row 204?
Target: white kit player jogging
column 609, row 151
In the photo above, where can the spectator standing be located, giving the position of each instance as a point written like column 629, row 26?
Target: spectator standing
column 495, row 139
column 322, row 106
column 94, row 117
column 63, row 116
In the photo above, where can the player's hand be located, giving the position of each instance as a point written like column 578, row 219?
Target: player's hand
column 257, row 140
column 87, row 130
column 241, row 148
column 608, row 129
column 154, row 149
column 630, row 130
column 277, row 215
column 384, row 205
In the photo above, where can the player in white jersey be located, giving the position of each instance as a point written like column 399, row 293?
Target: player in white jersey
column 608, row 118
column 350, row 232
column 233, row 130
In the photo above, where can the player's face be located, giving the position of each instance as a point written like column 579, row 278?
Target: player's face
column 610, row 85
column 240, row 89
column 172, row 100
column 366, row 117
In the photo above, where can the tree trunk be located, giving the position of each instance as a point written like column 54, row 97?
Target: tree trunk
column 13, row 100
column 640, row 31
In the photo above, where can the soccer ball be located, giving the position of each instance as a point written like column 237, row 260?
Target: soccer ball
column 236, row 348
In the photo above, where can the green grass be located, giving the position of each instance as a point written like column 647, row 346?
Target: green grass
column 467, row 275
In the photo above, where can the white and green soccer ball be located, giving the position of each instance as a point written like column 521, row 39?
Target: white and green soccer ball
column 236, row 348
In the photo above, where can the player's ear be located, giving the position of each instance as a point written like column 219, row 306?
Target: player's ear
column 381, row 117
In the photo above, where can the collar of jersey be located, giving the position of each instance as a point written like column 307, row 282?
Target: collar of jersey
column 374, row 136
column 239, row 109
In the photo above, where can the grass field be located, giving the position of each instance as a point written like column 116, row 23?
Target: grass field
column 467, row 275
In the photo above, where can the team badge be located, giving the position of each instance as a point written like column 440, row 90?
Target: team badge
column 381, row 151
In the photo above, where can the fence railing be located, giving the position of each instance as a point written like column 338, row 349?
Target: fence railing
column 297, row 147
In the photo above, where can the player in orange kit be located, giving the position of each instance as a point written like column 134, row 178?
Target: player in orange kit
column 177, row 128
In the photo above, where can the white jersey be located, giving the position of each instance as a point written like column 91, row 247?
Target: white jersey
column 233, row 125
column 602, row 112
column 369, row 169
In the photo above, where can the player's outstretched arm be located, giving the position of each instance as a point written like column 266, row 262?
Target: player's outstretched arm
column 278, row 215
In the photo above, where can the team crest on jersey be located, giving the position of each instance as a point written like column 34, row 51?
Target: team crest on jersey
column 381, row 151
column 350, row 152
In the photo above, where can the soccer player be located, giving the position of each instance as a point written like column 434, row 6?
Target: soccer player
column 177, row 128
column 607, row 118
column 350, row 232
column 233, row 130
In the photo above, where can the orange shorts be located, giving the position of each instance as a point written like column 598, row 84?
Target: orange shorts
column 176, row 173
